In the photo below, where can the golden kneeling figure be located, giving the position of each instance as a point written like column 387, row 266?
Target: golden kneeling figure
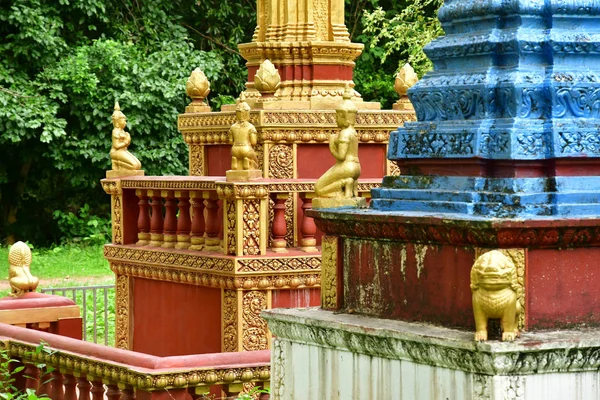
column 341, row 180
column 495, row 294
column 19, row 275
column 244, row 163
column 244, row 136
column 121, row 158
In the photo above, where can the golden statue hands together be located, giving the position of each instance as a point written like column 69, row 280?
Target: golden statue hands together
column 341, row 180
column 121, row 158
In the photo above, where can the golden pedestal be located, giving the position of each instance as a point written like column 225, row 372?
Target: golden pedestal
column 119, row 173
column 338, row 202
column 243, row 175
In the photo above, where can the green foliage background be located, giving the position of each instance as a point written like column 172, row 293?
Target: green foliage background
column 63, row 64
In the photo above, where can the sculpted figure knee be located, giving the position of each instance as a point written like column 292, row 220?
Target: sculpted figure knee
column 121, row 158
column 19, row 275
column 245, row 137
column 341, row 180
column 495, row 294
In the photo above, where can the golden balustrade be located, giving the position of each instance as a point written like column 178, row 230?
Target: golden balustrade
column 83, row 370
column 229, row 249
column 186, row 212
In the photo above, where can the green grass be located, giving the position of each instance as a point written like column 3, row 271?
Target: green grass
column 65, row 261
column 71, row 265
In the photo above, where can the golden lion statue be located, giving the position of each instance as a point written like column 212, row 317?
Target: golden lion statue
column 495, row 294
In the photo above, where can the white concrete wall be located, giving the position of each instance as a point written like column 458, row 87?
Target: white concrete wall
column 315, row 372
column 320, row 355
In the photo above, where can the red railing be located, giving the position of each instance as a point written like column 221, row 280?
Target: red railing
column 84, row 371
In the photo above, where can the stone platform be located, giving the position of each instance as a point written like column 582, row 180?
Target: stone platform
column 344, row 356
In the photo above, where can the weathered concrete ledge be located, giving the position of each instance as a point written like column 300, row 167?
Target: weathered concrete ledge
column 532, row 353
column 322, row 355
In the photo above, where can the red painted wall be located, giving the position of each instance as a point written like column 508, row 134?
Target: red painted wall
column 296, row 298
column 563, row 287
column 315, row 159
column 375, row 284
column 218, row 159
column 173, row 319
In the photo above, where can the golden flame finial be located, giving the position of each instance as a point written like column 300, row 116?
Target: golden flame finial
column 267, row 79
column 242, row 105
column 19, row 275
column 347, row 103
column 405, row 79
column 117, row 113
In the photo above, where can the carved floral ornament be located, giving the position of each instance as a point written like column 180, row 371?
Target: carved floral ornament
column 112, row 187
column 405, row 79
column 447, row 348
column 264, row 118
column 279, row 280
column 197, row 86
column 460, row 235
column 241, row 191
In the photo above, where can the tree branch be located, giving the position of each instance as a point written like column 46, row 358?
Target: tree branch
column 215, row 41
column 5, row 90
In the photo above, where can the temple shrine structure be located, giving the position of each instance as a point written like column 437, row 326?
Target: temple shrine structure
column 198, row 257
column 494, row 215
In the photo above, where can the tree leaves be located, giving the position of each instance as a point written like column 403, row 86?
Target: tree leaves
column 62, row 67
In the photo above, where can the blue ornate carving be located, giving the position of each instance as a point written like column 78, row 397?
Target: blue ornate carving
column 507, row 62
column 512, row 80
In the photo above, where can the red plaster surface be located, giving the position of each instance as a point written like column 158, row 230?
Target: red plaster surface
column 70, row 327
column 315, row 159
column 374, row 283
column 130, row 217
column 296, row 298
column 218, row 159
column 563, row 287
column 171, row 319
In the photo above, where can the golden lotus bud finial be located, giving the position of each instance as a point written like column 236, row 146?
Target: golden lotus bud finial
column 19, row 275
column 197, row 88
column 267, row 79
column 405, row 79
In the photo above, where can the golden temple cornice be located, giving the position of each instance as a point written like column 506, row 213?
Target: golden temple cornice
column 293, row 53
column 298, row 126
column 215, row 269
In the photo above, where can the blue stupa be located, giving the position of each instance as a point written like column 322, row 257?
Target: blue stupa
column 508, row 120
